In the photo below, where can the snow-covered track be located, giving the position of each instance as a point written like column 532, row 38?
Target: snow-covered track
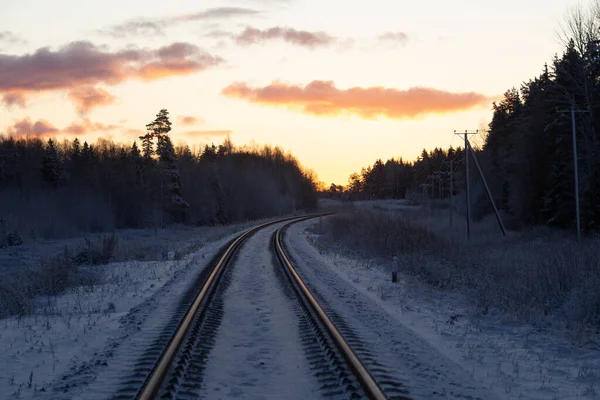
column 367, row 383
column 186, row 356
column 156, row 379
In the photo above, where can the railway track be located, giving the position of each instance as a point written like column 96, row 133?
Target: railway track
column 179, row 370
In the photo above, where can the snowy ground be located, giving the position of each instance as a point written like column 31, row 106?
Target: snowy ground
column 83, row 343
column 132, row 244
column 436, row 341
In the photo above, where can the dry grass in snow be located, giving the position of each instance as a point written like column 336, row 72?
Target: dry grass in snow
column 538, row 274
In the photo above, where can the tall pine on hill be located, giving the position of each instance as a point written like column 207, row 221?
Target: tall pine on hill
column 171, row 198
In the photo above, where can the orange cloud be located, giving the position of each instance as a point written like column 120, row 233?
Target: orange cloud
column 82, row 64
column 14, row 99
column 42, row 128
column 88, row 97
column 39, row 128
column 324, row 99
column 300, row 38
column 135, row 132
column 86, row 126
column 189, row 120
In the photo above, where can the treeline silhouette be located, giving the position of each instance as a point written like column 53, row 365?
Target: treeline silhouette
column 53, row 189
column 397, row 179
column 529, row 147
column 527, row 155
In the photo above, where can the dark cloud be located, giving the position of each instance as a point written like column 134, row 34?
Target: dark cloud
column 293, row 36
column 82, row 64
column 323, row 98
column 178, row 50
column 216, row 13
column 136, row 27
column 158, row 26
column 11, row 38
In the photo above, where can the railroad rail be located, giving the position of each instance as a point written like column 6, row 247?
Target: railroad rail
column 156, row 379
column 368, row 384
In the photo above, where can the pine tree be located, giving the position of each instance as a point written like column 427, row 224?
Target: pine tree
column 221, row 214
column 147, row 146
column 52, row 169
column 161, row 125
column 138, row 162
column 177, row 206
column 76, row 151
column 170, row 181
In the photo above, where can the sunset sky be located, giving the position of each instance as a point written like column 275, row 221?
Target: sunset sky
column 337, row 83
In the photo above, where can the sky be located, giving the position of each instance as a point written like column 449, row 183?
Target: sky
column 336, row 83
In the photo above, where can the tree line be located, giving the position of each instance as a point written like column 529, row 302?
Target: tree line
column 527, row 155
column 428, row 176
column 54, row 189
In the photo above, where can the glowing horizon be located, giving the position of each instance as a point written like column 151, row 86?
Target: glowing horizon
column 338, row 85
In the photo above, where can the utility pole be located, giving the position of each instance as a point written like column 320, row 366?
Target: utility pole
column 468, row 192
column 575, row 163
column 576, row 172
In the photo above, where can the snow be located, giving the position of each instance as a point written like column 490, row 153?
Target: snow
column 258, row 351
column 83, row 343
column 496, row 355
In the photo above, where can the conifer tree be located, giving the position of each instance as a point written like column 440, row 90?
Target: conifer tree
column 52, row 170
column 170, row 181
column 147, row 146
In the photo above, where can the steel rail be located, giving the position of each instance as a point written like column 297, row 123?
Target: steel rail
column 154, row 382
column 367, row 382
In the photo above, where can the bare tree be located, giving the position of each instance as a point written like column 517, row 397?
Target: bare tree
column 581, row 24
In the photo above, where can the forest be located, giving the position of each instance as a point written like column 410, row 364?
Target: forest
column 54, row 189
column 527, row 150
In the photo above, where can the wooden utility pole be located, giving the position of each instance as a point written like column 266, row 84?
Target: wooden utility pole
column 575, row 164
column 576, row 172
column 468, row 191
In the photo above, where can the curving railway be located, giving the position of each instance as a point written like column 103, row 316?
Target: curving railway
column 254, row 330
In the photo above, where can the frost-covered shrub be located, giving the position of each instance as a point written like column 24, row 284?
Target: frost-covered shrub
column 97, row 254
column 20, row 287
column 378, row 234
